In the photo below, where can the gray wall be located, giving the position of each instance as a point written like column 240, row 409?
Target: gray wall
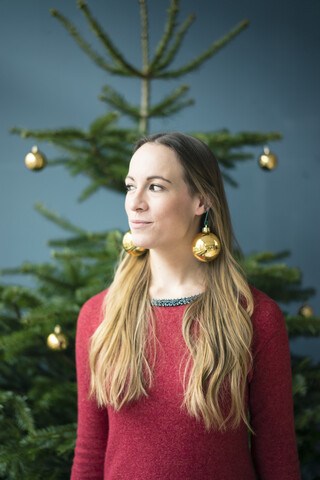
column 265, row 80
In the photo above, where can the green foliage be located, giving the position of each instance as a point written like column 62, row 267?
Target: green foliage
column 38, row 385
column 228, row 148
column 25, row 449
column 283, row 284
column 277, row 280
column 306, row 381
column 101, row 153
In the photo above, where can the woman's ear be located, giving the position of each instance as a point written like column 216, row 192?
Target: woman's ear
column 201, row 205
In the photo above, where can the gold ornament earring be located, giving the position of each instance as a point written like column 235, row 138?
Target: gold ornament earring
column 206, row 246
column 129, row 246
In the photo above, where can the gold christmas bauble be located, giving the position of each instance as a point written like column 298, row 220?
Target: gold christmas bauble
column 130, row 247
column 306, row 311
column 206, row 246
column 57, row 340
column 35, row 160
column 268, row 161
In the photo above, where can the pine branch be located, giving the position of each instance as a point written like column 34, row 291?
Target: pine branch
column 280, row 282
column 267, row 257
column 228, row 179
column 171, row 104
column 145, row 81
column 22, row 412
column 144, row 35
column 103, row 123
column 44, row 452
column 116, row 100
column 21, row 297
column 44, row 272
column 301, row 326
column 226, row 162
column 125, row 67
column 90, row 190
column 58, row 220
column 200, row 59
column 168, row 31
column 58, row 161
column 229, row 160
column 171, row 54
column 307, row 418
column 223, row 138
column 56, row 308
column 84, row 45
column 92, row 239
column 68, row 137
column 102, row 153
column 83, row 253
column 13, row 344
column 48, row 438
column 52, row 135
column 223, row 143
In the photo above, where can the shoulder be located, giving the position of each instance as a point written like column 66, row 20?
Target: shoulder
column 267, row 319
column 90, row 315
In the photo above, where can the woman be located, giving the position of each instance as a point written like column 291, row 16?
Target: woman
column 180, row 358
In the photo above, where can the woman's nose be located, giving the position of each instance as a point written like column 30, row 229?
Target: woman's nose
column 137, row 201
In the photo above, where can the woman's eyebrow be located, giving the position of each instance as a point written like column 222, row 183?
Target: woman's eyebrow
column 152, row 177
column 160, row 177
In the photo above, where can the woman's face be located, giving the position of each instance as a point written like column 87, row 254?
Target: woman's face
column 161, row 211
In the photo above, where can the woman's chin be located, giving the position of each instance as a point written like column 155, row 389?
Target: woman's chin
column 140, row 241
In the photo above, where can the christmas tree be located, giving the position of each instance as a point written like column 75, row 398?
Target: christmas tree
column 37, row 369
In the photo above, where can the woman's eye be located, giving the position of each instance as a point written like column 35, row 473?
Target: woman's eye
column 156, row 188
column 128, row 187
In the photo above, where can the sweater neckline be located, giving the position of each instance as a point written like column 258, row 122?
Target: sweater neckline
column 173, row 302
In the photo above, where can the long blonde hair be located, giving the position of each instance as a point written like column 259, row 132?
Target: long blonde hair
column 216, row 326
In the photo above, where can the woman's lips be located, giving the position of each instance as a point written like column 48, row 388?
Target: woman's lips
column 139, row 224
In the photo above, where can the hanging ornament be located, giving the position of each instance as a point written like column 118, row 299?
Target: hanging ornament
column 306, row 311
column 206, row 246
column 129, row 246
column 35, row 160
column 57, row 340
column 268, row 161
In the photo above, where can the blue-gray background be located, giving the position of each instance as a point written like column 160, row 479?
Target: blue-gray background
column 267, row 79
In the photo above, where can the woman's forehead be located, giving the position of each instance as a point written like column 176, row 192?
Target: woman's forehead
column 153, row 159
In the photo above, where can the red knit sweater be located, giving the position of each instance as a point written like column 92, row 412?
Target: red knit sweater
column 156, row 439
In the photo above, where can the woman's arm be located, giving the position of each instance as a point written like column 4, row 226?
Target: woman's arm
column 92, row 430
column 274, row 450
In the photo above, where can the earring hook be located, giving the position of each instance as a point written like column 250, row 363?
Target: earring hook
column 206, row 208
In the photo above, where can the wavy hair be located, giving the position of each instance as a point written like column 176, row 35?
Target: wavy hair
column 217, row 328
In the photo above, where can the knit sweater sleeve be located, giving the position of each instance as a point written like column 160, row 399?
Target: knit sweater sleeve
column 92, row 432
column 274, row 450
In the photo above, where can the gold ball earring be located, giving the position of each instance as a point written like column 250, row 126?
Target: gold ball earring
column 130, row 247
column 206, row 246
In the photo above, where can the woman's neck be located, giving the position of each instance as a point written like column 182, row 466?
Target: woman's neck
column 175, row 275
